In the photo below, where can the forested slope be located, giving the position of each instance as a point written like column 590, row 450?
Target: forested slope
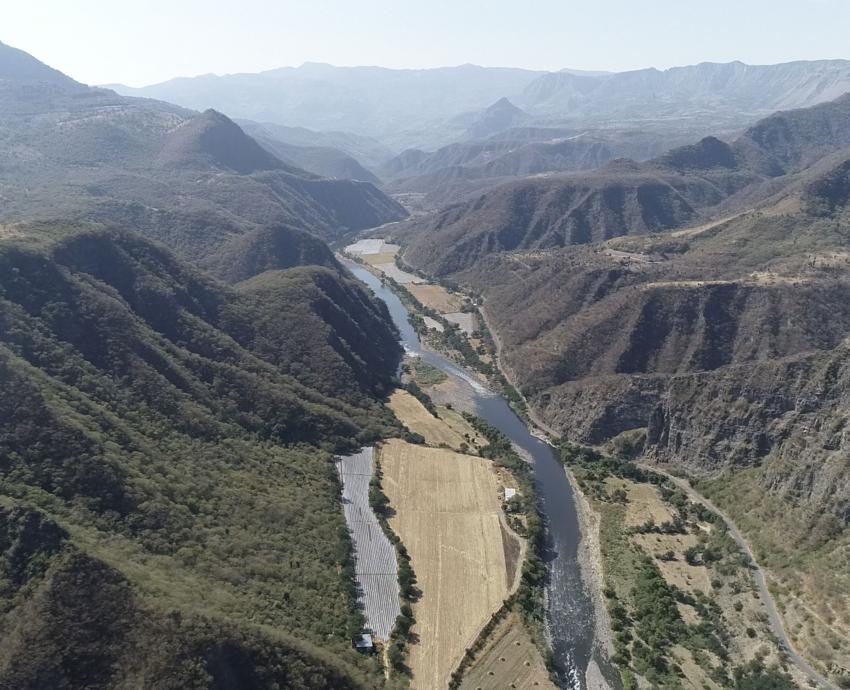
column 169, row 498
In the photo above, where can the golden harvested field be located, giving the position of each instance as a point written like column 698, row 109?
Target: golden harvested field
column 382, row 258
column 448, row 514
column 436, row 297
column 509, row 660
column 455, row 420
column 415, row 417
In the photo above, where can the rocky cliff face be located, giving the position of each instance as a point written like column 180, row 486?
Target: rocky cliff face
column 787, row 416
column 727, row 343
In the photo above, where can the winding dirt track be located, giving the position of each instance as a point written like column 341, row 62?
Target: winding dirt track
column 758, row 575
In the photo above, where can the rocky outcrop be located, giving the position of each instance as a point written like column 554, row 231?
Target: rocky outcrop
column 787, row 416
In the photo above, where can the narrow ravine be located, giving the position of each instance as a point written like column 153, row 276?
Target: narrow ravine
column 569, row 608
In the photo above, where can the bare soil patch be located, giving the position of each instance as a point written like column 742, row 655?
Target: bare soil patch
column 437, row 297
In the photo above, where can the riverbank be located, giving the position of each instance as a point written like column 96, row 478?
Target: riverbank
column 590, row 547
column 591, row 563
column 569, row 611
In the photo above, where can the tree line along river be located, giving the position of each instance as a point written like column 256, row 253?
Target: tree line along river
column 569, row 609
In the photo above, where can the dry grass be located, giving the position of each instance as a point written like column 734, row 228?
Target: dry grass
column 509, row 660
column 448, row 515
column 466, row 320
column 436, row 297
column 433, row 324
column 699, row 229
column 644, row 504
column 690, row 578
column 437, row 431
column 820, row 635
column 694, row 675
column 455, row 420
column 733, row 591
column 382, row 258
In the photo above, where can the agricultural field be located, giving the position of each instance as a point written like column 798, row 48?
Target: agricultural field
column 398, row 275
column 371, row 247
column 424, row 374
column 436, row 297
column 447, row 429
column 433, row 324
column 380, row 259
column 375, row 566
column 510, row 659
column 447, row 511
column 465, row 320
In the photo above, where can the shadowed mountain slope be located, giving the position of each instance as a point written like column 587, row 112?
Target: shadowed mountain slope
column 325, row 161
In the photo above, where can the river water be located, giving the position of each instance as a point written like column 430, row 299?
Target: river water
column 569, row 611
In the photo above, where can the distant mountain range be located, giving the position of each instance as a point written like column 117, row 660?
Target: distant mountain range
column 625, row 198
column 429, row 108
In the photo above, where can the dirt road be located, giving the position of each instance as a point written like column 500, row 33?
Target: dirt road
column 759, row 577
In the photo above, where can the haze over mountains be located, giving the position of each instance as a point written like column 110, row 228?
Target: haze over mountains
column 427, row 108
column 661, row 256
column 192, row 180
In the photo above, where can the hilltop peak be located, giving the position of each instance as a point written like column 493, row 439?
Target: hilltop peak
column 498, row 117
column 504, row 104
column 212, row 137
column 707, row 153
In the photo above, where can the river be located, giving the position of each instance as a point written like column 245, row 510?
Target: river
column 569, row 610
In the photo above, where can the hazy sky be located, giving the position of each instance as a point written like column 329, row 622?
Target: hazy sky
column 145, row 41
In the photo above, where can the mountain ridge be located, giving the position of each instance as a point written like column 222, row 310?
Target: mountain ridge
column 409, row 108
column 180, row 431
column 192, row 180
column 675, row 189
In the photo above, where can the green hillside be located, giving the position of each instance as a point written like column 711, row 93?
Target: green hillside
column 170, row 504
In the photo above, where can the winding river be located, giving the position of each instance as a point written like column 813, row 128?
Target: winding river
column 569, row 611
